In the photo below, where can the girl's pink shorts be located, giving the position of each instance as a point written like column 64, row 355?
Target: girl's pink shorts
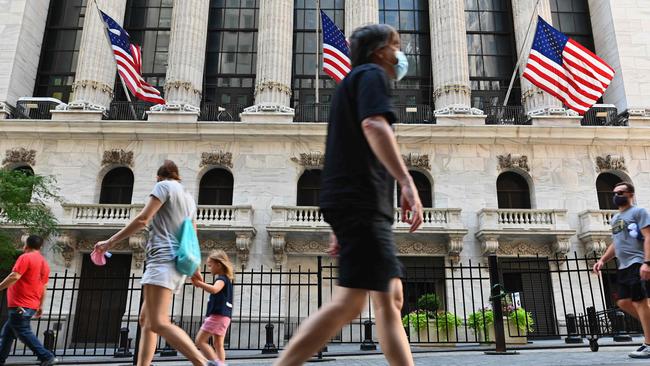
column 216, row 324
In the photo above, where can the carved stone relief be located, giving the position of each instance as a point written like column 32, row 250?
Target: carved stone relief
column 69, row 246
column 216, row 158
column 524, row 249
column 610, row 162
column 314, row 159
column 415, row 160
column 118, row 156
column 419, row 248
column 20, row 156
column 511, row 161
column 311, row 247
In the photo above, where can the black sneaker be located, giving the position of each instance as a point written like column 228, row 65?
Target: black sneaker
column 641, row 352
column 51, row 361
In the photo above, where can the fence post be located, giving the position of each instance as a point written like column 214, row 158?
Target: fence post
column 319, row 292
column 269, row 347
column 572, row 330
column 368, row 344
column 138, row 330
column 124, row 349
column 495, row 296
column 48, row 341
column 620, row 333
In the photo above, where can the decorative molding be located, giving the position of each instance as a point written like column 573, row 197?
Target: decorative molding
column 307, row 247
column 174, row 107
column 177, row 84
column 420, row 248
column 69, row 246
column 454, row 247
column 561, row 246
column 20, row 156
column 93, row 84
column 511, row 161
column 415, row 160
column 216, row 158
column 455, row 88
column 278, row 244
column 243, row 241
column 137, row 244
column 272, row 85
column 523, row 248
column 314, row 159
column 118, row 156
column 268, row 108
column 610, row 162
column 210, row 245
column 489, row 244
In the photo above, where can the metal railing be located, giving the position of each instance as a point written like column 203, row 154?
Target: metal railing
column 444, row 303
column 128, row 111
column 603, row 115
column 221, row 112
column 506, row 115
column 35, row 108
column 412, row 114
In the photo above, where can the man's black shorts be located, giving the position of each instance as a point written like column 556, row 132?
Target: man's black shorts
column 367, row 255
column 630, row 285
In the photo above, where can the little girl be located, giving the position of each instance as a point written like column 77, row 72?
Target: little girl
column 219, row 307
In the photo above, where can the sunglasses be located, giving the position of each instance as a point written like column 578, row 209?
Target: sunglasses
column 619, row 193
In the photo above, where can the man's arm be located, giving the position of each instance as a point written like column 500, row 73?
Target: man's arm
column 609, row 254
column 12, row 278
column 39, row 311
column 383, row 144
column 645, row 269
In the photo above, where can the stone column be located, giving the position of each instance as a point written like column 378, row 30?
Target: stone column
column 534, row 100
column 360, row 12
column 621, row 39
column 449, row 62
column 274, row 51
column 96, row 70
column 21, row 37
column 189, row 31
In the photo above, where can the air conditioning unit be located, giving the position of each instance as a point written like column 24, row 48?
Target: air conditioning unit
column 600, row 115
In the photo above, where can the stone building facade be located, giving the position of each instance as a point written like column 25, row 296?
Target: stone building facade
column 509, row 189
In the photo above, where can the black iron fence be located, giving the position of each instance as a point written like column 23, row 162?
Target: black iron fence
column 418, row 113
column 128, row 111
column 221, row 112
column 34, row 109
column 452, row 303
column 506, row 115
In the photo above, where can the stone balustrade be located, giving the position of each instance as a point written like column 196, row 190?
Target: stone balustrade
column 523, row 219
column 595, row 231
column 99, row 214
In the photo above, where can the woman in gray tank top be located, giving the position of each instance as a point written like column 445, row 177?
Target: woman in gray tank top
column 168, row 206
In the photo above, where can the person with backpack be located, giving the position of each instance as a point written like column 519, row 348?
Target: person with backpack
column 168, row 207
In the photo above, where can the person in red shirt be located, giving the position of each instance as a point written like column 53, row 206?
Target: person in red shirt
column 26, row 285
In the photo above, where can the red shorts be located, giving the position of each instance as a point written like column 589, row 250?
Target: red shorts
column 216, row 324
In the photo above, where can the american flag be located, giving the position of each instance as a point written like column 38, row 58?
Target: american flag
column 564, row 68
column 129, row 62
column 336, row 53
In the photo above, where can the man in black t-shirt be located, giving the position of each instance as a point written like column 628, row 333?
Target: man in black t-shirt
column 361, row 161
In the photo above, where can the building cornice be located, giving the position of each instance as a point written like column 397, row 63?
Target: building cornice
column 316, row 132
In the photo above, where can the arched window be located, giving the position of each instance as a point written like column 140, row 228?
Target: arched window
column 117, row 186
column 216, row 188
column 309, row 188
column 513, row 191
column 27, row 170
column 604, row 186
column 423, row 186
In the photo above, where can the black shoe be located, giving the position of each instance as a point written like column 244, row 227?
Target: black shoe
column 51, row 361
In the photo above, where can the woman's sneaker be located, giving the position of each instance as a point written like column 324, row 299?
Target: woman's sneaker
column 641, row 352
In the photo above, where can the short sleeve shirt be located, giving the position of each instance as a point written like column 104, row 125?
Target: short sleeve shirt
column 166, row 223
column 28, row 290
column 353, row 178
column 221, row 302
column 629, row 250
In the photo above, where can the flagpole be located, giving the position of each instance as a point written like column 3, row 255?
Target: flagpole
column 521, row 54
column 317, row 86
column 126, row 91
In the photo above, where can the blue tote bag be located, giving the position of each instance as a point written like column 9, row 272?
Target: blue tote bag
column 188, row 256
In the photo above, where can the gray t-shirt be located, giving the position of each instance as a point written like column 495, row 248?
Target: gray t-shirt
column 165, row 226
column 629, row 250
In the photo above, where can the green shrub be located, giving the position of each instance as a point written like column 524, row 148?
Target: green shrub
column 416, row 319
column 447, row 321
column 480, row 319
column 522, row 319
column 429, row 302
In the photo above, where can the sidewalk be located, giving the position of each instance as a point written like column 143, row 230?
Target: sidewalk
column 542, row 353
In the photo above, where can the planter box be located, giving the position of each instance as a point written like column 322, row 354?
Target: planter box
column 513, row 334
column 432, row 335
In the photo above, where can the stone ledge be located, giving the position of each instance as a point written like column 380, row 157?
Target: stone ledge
column 172, row 116
column 76, row 115
column 556, row 121
column 639, row 121
column 460, row 120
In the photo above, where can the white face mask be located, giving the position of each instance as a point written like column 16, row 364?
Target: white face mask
column 402, row 65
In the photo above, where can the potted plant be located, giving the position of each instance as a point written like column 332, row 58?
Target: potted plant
column 446, row 324
column 429, row 302
column 431, row 328
column 417, row 322
column 517, row 323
